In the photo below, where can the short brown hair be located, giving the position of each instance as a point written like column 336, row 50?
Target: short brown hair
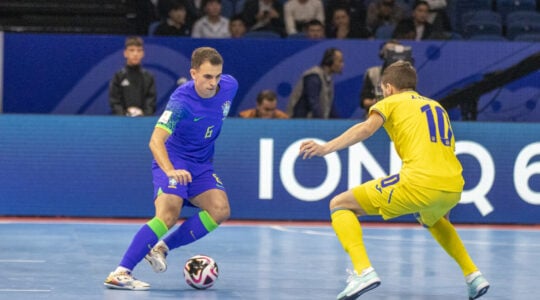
column 266, row 95
column 133, row 41
column 401, row 75
column 204, row 54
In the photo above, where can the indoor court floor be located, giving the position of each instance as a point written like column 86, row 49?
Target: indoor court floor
column 69, row 259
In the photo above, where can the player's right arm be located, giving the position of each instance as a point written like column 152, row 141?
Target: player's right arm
column 351, row 136
column 159, row 151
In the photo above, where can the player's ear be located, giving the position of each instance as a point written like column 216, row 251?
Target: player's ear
column 192, row 72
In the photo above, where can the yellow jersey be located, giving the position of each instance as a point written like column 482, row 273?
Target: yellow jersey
column 424, row 140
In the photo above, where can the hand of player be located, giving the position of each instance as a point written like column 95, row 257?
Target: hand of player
column 308, row 149
column 181, row 176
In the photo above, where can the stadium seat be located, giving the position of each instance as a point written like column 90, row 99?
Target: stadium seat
column 457, row 8
column 230, row 8
column 152, row 28
column 487, row 37
column 504, row 7
column 527, row 37
column 384, row 32
column 263, row 34
column 298, row 35
column 482, row 22
column 522, row 22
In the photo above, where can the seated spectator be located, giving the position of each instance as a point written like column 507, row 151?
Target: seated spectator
column 355, row 8
column 237, row 27
column 342, row 28
column 314, row 30
column 384, row 12
column 266, row 107
column 416, row 27
column 212, row 24
column 439, row 19
column 176, row 22
column 298, row 12
column 264, row 15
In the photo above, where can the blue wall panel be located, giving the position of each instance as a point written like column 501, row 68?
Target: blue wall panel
column 99, row 166
column 69, row 74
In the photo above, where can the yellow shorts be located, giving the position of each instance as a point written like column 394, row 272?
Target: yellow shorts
column 391, row 197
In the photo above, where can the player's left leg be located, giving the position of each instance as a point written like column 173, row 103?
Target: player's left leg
column 446, row 235
column 436, row 221
column 215, row 210
column 168, row 207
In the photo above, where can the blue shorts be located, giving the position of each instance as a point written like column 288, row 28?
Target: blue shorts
column 202, row 175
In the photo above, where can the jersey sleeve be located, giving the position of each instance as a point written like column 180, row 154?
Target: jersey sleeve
column 170, row 117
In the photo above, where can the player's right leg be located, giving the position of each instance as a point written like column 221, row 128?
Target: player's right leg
column 168, row 207
column 146, row 237
column 344, row 213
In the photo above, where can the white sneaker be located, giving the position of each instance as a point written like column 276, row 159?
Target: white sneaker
column 125, row 281
column 359, row 284
column 157, row 257
column 477, row 284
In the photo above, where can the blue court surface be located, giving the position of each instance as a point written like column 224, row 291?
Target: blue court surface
column 70, row 259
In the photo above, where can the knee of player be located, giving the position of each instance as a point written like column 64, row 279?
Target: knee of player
column 220, row 212
column 335, row 203
column 169, row 220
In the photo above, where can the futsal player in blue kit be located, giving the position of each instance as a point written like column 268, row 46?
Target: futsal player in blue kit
column 182, row 144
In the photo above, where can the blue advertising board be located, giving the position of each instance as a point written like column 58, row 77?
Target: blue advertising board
column 69, row 74
column 99, row 166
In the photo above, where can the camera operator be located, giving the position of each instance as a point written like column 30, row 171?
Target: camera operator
column 390, row 52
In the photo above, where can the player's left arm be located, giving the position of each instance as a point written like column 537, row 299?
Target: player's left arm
column 351, row 136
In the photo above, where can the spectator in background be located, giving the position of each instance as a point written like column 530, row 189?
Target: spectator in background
column 314, row 30
column 355, row 8
column 132, row 90
column 313, row 94
column 417, row 26
column 343, row 28
column 176, row 23
column 384, row 12
column 371, row 91
column 298, row 12
column 439, row 19
column 266, row 107
column 212, row 24
column 237, row 27
column 264, row 15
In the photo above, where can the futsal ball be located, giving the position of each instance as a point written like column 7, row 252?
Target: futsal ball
column 201, row 272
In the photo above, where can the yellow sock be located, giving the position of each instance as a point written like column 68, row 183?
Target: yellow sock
column 349, row 233
column 446, row 235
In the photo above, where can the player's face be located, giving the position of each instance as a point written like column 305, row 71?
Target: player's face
column 134, row 55
column 266, row 109
column 206, row 79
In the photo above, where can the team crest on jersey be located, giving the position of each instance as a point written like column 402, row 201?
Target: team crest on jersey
column 226, row 107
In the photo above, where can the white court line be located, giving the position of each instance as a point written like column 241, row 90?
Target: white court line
column 32, row 261
column 397, row 238
column 26, row 291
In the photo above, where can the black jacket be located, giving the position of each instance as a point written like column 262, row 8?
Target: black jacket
column 132, row 86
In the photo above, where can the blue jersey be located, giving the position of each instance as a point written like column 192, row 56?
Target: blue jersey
column 194, row 122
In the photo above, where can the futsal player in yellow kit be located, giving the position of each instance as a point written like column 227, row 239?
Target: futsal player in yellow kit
column 428, row 185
